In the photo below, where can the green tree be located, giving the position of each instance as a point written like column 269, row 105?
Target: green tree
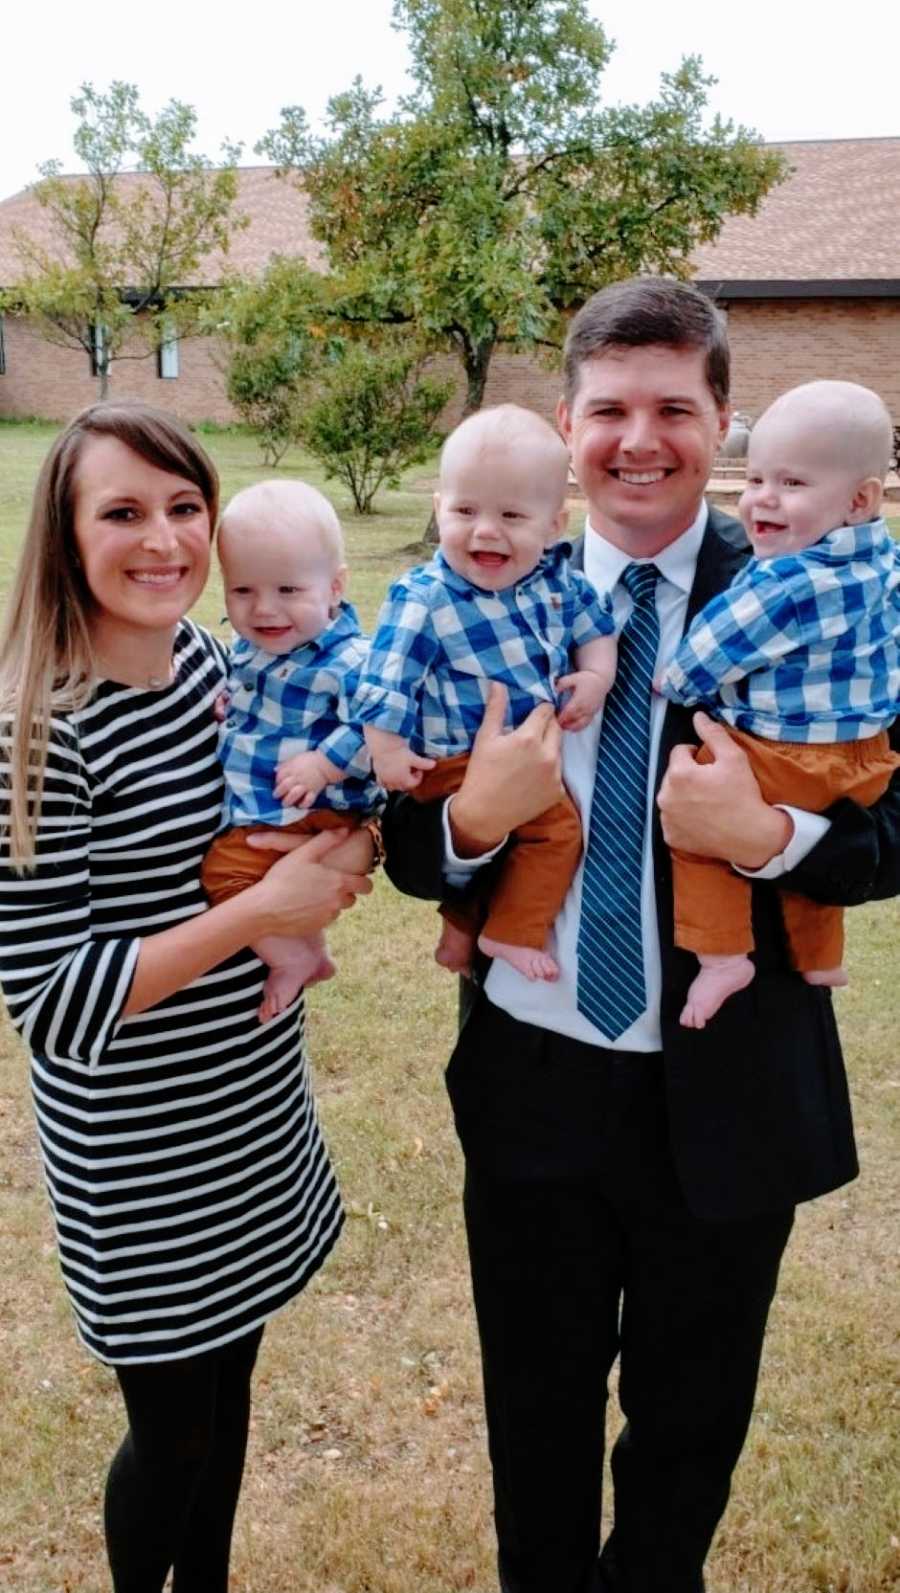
column 357, row 399
column 275, row 331
column 502, row 193
column 110, row 282
column 368, row 414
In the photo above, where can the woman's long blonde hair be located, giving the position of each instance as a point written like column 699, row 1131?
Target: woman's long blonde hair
column 46, row 657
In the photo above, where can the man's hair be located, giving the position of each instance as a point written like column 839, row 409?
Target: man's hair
column 648, row 310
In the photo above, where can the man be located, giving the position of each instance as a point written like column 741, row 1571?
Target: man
column 630, row 1183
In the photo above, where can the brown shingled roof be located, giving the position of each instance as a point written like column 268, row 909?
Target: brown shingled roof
column 835, row 218
column 278, row 225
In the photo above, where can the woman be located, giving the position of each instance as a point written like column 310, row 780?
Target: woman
column 191, row 1190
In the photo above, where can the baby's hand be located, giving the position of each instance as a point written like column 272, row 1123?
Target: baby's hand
column 588, row 691
column 398, row 769
column 220, row 707
column 299, row 780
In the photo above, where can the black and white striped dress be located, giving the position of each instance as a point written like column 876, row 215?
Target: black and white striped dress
column 192, row 1192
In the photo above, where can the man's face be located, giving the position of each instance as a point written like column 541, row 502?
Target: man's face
column 643, row 430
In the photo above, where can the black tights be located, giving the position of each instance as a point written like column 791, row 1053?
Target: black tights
column 173, row 1486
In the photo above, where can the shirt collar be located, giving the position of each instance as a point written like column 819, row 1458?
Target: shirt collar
column 344, row 623
column 604, row 563
column 851, row 541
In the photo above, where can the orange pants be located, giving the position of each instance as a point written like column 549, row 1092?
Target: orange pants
column 535, row 875
column 231, row 865
column 712, row 903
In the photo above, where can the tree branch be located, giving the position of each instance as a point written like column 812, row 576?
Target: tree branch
column 541, row 165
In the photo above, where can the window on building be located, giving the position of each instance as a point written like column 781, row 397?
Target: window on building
column 167, row 358
column 2, row 349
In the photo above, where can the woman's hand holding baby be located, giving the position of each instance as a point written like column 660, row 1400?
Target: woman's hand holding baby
column 302, row 892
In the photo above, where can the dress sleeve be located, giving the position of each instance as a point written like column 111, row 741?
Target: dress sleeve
column 64, row 988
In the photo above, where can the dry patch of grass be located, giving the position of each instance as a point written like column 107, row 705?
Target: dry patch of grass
column 367, row 1470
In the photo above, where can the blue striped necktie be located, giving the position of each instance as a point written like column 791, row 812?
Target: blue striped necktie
column 612, row 991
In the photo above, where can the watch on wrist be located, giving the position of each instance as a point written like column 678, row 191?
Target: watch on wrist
column 373, row 826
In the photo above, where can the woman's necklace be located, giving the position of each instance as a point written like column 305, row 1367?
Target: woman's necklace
column 133, row 676
column 143, row 662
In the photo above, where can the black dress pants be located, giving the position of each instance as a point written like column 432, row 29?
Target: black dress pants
column 582, row 1249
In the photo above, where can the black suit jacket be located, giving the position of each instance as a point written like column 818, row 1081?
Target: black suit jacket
column 758, row 1104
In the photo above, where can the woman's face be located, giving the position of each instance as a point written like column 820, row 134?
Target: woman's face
column 142, row 535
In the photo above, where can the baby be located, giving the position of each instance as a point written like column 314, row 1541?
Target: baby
column 292, row 757
column 501, row 602
column 800, row 658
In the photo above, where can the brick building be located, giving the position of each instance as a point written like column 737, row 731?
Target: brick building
column 811, row 286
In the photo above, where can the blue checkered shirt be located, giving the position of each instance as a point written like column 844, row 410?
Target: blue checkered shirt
column 440, row 641
column 805, row 647
column 285, row 703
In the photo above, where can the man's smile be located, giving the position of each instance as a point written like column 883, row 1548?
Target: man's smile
column 640, row 478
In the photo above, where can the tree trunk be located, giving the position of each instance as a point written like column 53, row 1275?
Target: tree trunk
column 103, row 374
column 477, row 362
column 476, row 358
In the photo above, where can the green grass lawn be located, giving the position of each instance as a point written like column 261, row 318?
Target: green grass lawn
column 367, row 1471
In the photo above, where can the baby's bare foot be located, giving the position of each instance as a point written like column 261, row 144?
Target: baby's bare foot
column 454, row 949
column 279, row 990
column 719, row 978
column 283, row 985
column 528, row 960
column 833, row 977
column 324, row 969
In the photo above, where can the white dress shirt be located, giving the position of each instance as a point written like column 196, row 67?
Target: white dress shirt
column 554, row 1005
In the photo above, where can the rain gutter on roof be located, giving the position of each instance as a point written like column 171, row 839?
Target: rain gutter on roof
column 800, row 288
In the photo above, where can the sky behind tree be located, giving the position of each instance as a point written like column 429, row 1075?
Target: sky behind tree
column 788, row 77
